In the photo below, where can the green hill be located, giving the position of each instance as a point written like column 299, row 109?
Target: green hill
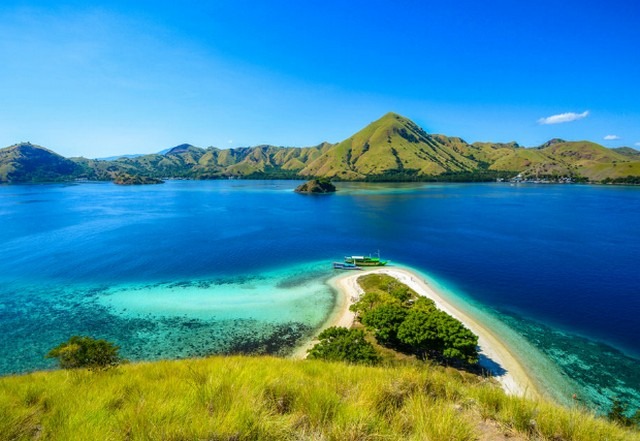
column 628, row 151
column 392, row 145
column 555, row 158
column 261, row 398
column 393, row 148
column 26, row 162
column 592, row 161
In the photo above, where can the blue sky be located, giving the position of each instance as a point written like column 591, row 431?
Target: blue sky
column 107, row 78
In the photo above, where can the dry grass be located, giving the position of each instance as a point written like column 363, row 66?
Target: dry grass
column 261, row 398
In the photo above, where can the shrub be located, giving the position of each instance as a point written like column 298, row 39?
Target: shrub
column 385, row 321
column 86, row 352
column 342, row 344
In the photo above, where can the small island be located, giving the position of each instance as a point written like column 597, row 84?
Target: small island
column 316, row 186
column 127, row 179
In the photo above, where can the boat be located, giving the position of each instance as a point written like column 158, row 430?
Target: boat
column 345, row 266
column 365, row 261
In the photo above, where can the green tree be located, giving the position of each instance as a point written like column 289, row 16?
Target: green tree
column 400, row 291
column 435, row 331
column 86, row 352
column 459, row 343
column 617, row 412
column 385, row 321
column 342, row 344
column 420, row 331
column 372, row 300
column 424, row 304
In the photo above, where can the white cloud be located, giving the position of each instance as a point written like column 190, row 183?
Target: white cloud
column 611, row 137
column 637, row 144
column 563, row 117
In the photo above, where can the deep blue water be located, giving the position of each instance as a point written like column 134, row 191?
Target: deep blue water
column 558, row 264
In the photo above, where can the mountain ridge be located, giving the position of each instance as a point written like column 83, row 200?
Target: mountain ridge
column 391, row 148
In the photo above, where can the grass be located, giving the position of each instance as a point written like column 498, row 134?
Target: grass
column 260, row 398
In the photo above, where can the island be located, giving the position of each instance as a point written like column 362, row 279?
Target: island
column 127, row 179
column 316, row 186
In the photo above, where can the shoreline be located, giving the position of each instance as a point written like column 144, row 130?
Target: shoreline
column 495, row 356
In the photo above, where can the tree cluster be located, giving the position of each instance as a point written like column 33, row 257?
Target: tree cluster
column 402, row 320
column 633, row 180
column 342, row 344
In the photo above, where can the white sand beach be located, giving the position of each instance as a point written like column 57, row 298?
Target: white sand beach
column 511, row 375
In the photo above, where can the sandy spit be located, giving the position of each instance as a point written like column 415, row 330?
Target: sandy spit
column 496, row 357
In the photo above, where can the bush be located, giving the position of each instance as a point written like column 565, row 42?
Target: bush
column 438, row 332
column 385, row 321
column 86, row 352
column 342, row 344
column 401, row 319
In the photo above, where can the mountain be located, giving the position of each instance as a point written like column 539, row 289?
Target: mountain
column 628, row 151
column 26, row 162
column 393, row 148
column 113, row 158
column 131, row 155
column 578, row 159
column 588, row 160
column 392, row 145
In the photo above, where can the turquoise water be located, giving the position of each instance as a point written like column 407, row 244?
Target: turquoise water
column 193, row 268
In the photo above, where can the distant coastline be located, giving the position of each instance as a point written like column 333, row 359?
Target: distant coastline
column 390, row 149
column 496, row 356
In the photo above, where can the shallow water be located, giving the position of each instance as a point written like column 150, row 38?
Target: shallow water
column 191, row 268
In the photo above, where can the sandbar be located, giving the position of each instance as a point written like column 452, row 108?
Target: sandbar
column 496, row 357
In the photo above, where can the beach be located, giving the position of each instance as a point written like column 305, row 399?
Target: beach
column 495, row 356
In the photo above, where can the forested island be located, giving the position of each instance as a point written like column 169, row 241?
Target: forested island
column 316, row 186
column 127, row 179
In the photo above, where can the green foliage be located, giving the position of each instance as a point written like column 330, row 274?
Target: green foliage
column 274, row 173
column 424, row 304
column 402, row 320
column 127, row 179
column 479, row 175
column 31, row 163
column 386, row 286
column 317, row 186
column 385, row 321
column 342, row 344
column 628, row 180
column 86, row 352
column 371, row 300
column 420, row 331
column 437, row 332
column 620, row 414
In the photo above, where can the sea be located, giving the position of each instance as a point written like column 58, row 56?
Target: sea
column 193, row 268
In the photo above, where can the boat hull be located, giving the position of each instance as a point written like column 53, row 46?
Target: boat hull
column 345, row 266
column 365, row 261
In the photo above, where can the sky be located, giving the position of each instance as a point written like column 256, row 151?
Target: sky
column 98, row 79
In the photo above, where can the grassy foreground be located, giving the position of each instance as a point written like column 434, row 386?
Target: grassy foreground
column 262, row 398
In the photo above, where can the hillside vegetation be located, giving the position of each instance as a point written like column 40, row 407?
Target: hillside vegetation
column 393, row 148
column 31, row 163
column 259, row 398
